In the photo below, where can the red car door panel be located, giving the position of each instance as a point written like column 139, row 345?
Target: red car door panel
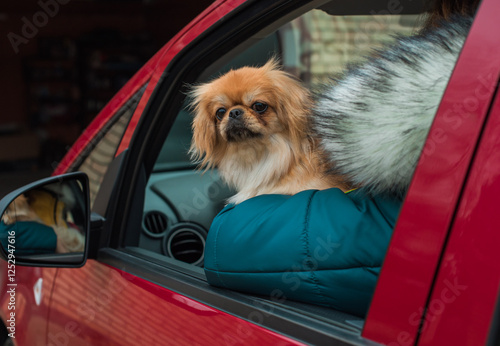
column 32, row 288
column 101, row 305
column 468, row 282
column 415, row 249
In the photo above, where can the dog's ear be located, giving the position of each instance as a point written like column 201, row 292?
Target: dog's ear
column 272, row 64
column 204, row 137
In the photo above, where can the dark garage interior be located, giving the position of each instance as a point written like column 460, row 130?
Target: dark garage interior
column 61, row 62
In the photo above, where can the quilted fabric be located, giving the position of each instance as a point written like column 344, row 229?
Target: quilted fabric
column 321, row 247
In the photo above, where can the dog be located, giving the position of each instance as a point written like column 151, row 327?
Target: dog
column 253, row 124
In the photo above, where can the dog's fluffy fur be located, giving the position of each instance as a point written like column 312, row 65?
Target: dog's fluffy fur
column 374, row 119
column 258, row 152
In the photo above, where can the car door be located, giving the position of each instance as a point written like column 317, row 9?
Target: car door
column 467, row 283
column 92, row 153
column 129, row 295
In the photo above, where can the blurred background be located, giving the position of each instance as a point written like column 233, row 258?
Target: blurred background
column 61, row 61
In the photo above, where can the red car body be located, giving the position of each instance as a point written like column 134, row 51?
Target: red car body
column 440, row 280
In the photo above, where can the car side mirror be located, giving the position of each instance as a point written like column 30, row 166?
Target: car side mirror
column 46, row 223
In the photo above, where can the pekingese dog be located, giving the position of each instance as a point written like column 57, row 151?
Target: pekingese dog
column 253, row 124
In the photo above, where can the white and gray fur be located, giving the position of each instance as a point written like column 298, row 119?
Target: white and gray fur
column 374, row 119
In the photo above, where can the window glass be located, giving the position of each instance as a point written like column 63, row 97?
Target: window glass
column 102, row 149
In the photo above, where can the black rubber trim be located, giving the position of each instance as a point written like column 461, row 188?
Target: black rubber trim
column 494, row 333
column 106, row 190
column 295, row 323
column 349, row 8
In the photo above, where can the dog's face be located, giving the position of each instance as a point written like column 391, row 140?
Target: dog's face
column 246, row 107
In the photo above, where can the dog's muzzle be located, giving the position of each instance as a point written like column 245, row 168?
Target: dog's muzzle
column 236, row 128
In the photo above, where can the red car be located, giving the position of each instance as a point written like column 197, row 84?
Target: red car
column 138, row 278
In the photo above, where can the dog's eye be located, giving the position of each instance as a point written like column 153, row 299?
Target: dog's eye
column 259, row 107
column 220, row 113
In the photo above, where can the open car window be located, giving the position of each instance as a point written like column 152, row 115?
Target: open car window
column 180, row 201
column 312, row 47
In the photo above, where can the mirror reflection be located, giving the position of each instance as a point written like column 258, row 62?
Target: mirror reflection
column 45, row 220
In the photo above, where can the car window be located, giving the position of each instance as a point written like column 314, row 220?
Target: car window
column 180, row 200
column 101, row 150
column 311, row 47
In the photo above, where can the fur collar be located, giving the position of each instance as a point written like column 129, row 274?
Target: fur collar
column 373, row 120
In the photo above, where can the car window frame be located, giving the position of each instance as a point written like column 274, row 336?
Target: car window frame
column 121, row 117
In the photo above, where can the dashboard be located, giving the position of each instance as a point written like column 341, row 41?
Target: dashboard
column 178, row 210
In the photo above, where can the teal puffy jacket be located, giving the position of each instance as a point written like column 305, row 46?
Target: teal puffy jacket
column 30, row 238
column 322, row 247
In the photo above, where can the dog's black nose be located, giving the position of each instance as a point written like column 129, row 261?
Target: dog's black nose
column 236, row 113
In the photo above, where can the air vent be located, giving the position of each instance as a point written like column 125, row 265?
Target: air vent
column 186, row 243
column 155, row 223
